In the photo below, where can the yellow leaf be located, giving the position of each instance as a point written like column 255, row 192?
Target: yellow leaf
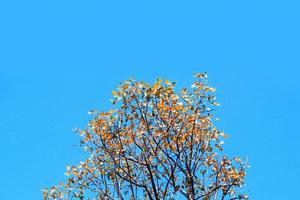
column 212, row 89
column 114, row 93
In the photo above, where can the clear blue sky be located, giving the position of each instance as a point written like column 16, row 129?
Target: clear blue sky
column 61, row 58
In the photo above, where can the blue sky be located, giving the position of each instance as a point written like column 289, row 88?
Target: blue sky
column 61, row 58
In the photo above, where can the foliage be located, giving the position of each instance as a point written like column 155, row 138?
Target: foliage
column 156, row 144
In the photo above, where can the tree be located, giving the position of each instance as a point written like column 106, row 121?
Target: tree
column 157, row 144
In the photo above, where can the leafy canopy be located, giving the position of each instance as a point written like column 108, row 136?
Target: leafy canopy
column 156, row 144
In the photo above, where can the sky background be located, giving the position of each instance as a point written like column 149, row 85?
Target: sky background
column 61, row 58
